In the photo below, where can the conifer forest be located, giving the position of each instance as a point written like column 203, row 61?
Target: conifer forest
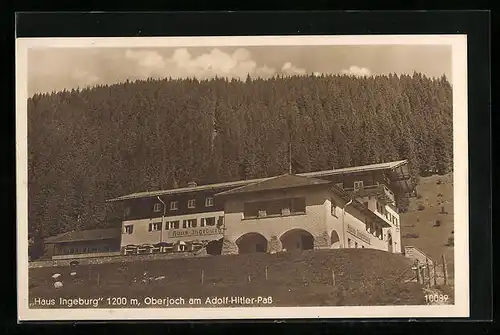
column 89, row 145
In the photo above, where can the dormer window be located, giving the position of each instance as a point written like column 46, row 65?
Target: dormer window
column 157, row 207
column 192, row 203
column 209, row 202
column 174, row 205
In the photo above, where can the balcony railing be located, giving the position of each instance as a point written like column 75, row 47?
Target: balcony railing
column 380, row 190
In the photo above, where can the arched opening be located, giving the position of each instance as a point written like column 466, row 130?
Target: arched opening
column 214, row 247
column 334, row 240
column 297, row 239
column 251, row 242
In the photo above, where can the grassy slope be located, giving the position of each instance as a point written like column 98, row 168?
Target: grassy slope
column 363, row 277
column 432, row 240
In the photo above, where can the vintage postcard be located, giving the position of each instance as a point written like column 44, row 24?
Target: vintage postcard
column 242, row 177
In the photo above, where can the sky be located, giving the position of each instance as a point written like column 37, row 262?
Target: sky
column 54, row 69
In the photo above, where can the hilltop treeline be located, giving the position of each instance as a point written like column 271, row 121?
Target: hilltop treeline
column 89, row 145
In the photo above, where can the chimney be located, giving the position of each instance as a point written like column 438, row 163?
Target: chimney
column 192, row 184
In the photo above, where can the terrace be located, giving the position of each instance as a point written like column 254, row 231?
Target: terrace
column 381, row 191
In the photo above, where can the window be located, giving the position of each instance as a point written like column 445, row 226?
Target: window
column 220, row 221
column 157, row 207
column 279, row 207
column 174, row 205
column 358, row 185
column 333, row 210
column 191, row 223
column 126, row 211
column 362, row 247
column 209, row 202
column 155, row 226
column 348, row 242
column 129, row 229
column 192, row 203
column 172, row 225
column 275, row 207
column 396, row 222
column 207, row 222
column 355, row 244
column 298, row 205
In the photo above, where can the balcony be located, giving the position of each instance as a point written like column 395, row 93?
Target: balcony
column 382, row 192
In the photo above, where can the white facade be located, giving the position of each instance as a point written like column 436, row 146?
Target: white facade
column 140, row 232
column 323, row 226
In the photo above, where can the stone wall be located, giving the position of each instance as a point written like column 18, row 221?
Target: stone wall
column 112, row 259
column 229, row 247
column 322, row 241
column 274, row 245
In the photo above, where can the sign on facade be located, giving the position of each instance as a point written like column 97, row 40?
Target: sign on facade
column 205, row 231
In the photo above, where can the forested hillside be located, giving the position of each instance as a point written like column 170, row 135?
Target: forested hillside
column 86, row 146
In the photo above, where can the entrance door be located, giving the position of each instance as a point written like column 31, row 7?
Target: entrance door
column 389, row 241
column 307, row 242
column 260, row 248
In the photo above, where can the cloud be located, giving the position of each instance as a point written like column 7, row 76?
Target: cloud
column 182, row 64
column 357, row 71
column 84, row 78
column 53, row 69
column 290, row 69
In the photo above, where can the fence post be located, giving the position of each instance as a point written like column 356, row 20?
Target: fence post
column 266, row 272
column 202, row 276
column 429, row 284
column 417, row 270
column 445, row 270
column 333, row 278
column 435, row 273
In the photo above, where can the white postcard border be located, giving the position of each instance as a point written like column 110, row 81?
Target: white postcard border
column 460, row 182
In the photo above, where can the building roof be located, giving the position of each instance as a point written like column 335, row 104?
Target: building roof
column 392, row 166
column 209, row 187
column 85, row 235
column 276, row 183
column 356, row 169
